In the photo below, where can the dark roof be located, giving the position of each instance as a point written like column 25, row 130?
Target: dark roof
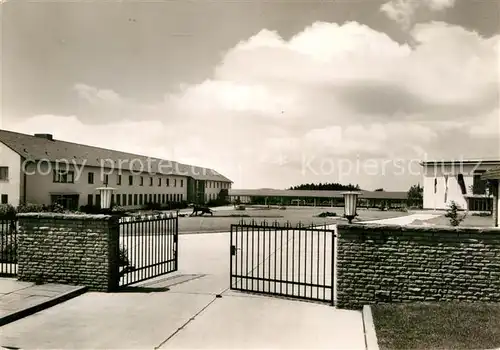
column 45, row 148
column 318, row 194
column 492, row 174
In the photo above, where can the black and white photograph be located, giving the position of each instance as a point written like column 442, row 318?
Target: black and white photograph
column 250, row 174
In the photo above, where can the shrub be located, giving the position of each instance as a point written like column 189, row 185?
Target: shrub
column 171, row 206
column 7, row 211
column 57, row 208
column 90, row 209
column 453, row 215
column 123, row 257
column 326, row 214
column 31, row 208
column 8, row 243
column 216, row 202
column 118, row 208
column 482, row 213
column 8, row 253
column 152, row 206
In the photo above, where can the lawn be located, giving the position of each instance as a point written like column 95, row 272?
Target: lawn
column 470, row 221
column 437, row 325
column 222, row 220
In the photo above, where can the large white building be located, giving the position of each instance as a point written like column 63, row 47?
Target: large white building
column 459, row 181
column 41, row 170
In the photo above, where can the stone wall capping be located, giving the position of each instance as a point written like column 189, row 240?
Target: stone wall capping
column 374, row 228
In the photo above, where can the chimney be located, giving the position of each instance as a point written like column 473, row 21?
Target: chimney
column 45, row 136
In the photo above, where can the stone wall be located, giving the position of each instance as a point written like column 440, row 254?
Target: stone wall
column 389, row 263
column 70, row 249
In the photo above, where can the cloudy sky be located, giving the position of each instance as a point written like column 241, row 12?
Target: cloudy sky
column 270, row 93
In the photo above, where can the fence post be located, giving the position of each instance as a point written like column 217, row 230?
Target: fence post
column 334, row 286
column 176, row 242
column 231, row 250
column 114, row 253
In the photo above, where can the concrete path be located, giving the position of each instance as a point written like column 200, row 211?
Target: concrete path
column 403, row 220
column 197, row 311
column 20, row 299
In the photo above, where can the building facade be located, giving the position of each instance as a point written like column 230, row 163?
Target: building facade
column 459, row 181
column 40, row 170
column 10, row 175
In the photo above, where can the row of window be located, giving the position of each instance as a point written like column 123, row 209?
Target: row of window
column 210, row 196
column 68, row 176
column 105, row 180
column 216, row 184
column 137, row 199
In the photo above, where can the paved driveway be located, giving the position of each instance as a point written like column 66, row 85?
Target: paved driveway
column 190, row 315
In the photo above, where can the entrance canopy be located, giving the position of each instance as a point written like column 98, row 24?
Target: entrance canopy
column 492, row 174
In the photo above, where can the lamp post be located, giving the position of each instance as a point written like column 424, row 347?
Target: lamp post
column 350, row 205
column 105, row 193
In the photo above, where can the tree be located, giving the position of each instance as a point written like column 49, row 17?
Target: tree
column 237, row 202
column 326, row 187
column 452, row 214
column 416, row 195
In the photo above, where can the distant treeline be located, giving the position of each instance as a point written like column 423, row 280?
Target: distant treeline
column 326, row 187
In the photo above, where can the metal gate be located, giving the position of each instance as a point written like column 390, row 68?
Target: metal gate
column 8, row 247
column 148, row 247
column 295, row 262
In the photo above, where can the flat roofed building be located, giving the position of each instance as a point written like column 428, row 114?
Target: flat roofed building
column 319, row 198
column 459, row 181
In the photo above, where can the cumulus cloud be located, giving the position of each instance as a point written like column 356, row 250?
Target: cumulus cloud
column 404, row 11
column 103, row 105
column 331, row 93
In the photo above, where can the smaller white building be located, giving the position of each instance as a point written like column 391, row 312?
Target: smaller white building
column 459, row 181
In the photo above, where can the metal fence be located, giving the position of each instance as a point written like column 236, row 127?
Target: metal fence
column 148, row 247
column 296, row 262
column 8, row 247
